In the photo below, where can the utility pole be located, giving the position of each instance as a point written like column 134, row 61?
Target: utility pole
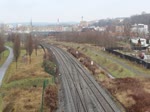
column 82, row 18
column 58, row 21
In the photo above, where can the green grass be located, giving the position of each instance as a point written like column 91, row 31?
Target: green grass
column 12, row 69
column 8, row 73
column 10, row 44
column 115, row 69
column 25, row 83
column 130, row 64
column 4, row 56
column 0, row 102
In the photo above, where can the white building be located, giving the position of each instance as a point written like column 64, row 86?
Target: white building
column 101, row 29
column 135, row 41
column 140, row 28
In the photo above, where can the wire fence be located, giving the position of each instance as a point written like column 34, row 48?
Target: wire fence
column 45, row 84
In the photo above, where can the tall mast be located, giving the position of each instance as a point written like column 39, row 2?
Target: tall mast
column 31, row 27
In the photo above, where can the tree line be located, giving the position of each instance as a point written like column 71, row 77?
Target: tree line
column 23, row 41
column 104, row 39
column 2, row 47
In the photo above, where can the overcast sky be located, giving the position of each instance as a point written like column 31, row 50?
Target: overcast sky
column 69, row 10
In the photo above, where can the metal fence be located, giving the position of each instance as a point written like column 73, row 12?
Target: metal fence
column 45, row 84
column 130, row 58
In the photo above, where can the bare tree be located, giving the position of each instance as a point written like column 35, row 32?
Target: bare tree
column 104, row 39
column 1, row 45
column 35, row 45
column 127, row 30
column 29, row 46
column 16, row 48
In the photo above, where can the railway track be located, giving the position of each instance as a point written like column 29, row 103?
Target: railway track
column 79, row 91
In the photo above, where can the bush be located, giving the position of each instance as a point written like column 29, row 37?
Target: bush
column 51, row 97
column 49, row 67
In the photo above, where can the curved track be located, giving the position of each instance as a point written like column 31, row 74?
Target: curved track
column 79, row 91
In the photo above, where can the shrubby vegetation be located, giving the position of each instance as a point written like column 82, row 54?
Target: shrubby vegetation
column 104, row 39
column 2, row 48
column 49, row 67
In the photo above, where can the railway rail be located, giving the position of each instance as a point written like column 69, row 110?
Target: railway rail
column 79, row 91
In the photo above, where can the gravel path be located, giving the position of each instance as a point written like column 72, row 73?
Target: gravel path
column 5, row 66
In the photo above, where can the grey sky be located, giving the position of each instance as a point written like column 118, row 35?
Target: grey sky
column 69, row 10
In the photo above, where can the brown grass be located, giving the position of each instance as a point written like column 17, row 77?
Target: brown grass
column 26, row 70
column 133, row 93
column 23, row 100
column 28, row 98
column 51, row 97
column 86, row 61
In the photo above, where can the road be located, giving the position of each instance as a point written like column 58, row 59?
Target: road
column 79, row 91
column 5, row 66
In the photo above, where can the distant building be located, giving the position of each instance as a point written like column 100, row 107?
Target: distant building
column 83, row 24
column 67, row 28
column 101, row 29
column 140, row 28
column 120, row 29
column 139, row 41
column 19, row 25
column 87, row 29
column 10, row 26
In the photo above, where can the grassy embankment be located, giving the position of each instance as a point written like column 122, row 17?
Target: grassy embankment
column 131, row 90
column 4, row 56
column 21, row 89
column 107, row 60
column 115, row 69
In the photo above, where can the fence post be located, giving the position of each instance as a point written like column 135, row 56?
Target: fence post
column 45, row 82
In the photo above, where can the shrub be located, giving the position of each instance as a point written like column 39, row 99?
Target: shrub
column 49, row 67
column 51, row 97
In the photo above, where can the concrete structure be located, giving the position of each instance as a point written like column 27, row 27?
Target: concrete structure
column 28, row 28
column 83, row 24
column 101, row 29
column 140, row 28
column 138, row 41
